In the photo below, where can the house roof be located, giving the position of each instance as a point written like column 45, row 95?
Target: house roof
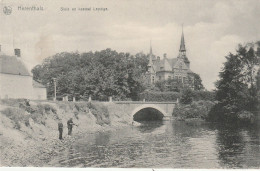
column 13, row 65
column 172, row 61
column 36, row 84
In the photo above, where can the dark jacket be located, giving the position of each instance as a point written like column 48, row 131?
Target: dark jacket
column 69, row 124
column 60, row 126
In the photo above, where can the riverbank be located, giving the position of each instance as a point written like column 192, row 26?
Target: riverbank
column 29, row 133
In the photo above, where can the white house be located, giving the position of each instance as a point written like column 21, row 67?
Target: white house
column 16, row 81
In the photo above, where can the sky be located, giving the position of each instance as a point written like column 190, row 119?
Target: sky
column 212, row 29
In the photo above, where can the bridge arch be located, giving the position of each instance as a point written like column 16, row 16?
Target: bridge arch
column 153, row 106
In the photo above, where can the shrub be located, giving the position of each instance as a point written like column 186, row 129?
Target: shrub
column 199, row 109
column 229, row 113
column 186, row 96
column 245, row 116
column 204, row 95
column 159, row 96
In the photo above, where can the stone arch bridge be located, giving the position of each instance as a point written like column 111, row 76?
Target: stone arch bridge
column 132, row 107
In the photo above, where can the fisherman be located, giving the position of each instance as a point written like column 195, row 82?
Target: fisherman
column 70, row 125
column 60, row 128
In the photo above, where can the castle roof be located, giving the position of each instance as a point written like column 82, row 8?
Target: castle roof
column 182, row 46
column 13, row 65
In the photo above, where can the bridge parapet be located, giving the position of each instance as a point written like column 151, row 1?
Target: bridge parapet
column 142, row 102
column 132, row 107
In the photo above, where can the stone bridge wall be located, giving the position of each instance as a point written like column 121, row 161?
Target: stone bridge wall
column 132, row 107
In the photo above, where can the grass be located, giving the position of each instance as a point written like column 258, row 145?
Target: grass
column 100, row 112
column 17, row 116
column 20, row 112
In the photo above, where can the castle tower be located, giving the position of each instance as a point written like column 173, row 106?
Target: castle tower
column 150, row 64
column 182, row 51
column 151, row 73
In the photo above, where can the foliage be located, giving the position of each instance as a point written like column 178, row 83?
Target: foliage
column 245, row 116
column 236, row 89
column 176, row 85
column 169, row 85
column 159, row 96
column 99, row 75
column 197, row 82
column 186, row 96
column 203, row 95
column 197, row 109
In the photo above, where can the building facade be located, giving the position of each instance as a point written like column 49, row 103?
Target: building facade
column 16, row 81
column 170, row 68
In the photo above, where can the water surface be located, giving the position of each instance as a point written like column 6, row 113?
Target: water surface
column 166, row 144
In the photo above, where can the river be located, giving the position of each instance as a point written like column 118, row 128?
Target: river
column 166, row 144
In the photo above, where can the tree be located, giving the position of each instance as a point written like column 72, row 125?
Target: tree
column 100, row 75
column 197, row 82
column 186, row 96
column 236, row 89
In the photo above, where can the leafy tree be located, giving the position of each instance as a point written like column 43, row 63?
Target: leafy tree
column 186, row 96
column 236, row 89
column 100, row 74
column 197, row 82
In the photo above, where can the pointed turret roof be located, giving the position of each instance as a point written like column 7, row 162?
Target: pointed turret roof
column 150, row 55
column 182, row 46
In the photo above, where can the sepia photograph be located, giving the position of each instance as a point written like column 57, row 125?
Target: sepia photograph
column 140, row 84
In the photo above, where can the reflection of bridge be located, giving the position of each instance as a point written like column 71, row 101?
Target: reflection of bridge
column 132, row 107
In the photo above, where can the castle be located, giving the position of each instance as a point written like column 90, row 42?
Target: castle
column 170, row 68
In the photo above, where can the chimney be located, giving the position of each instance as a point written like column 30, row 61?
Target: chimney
column 158, row 58
column 165, row 55
column 17, row 52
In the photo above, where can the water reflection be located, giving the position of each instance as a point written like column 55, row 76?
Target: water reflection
column 237, row 146
column 149, row 126
column 167, row 144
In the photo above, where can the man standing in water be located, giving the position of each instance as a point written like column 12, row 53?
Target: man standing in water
column 60, row 128
column 70, row 125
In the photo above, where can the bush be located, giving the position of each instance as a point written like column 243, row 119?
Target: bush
column 186, row 96
column 159, row 96
column 229, row 113
column 245, row 116
column 199, row 109
column 204, row 95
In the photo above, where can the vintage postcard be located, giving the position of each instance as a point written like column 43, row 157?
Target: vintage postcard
column 150, row 84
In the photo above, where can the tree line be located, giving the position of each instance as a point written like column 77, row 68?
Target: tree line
column 101, row 74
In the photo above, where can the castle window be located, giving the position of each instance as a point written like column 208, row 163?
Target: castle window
column 152, row 79
column 160, row 77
